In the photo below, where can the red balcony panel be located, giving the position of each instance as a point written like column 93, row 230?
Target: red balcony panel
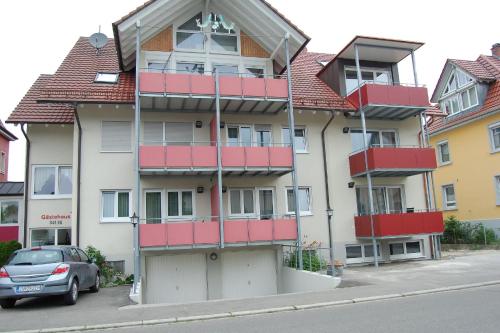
column 153, row 235
column 387, row 225
column 230, row 86
column 178, row 157
column 285, row 229
column 202, row 85
column 177, row 83
column 236, row 231
column 280, row 157
column 277, row 88
column 206, row 233
column 180, row 233
column 260, row 230
column 390, row 95
column 257, row 157
column 254, row 87
column 8, row 234
column 151, row 157
column 204, row 157
column 233, row 157
column 153, row 83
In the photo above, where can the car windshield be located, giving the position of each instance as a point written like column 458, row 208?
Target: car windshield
column 35, row 257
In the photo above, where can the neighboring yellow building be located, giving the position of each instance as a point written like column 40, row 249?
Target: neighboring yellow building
column 467, row 140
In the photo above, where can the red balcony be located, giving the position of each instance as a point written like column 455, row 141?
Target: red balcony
column 206, row 233
column 9, row 233
column 203, row 159
column 390, row 101
column 403, row 224
column 237, row 93
column 393, row 162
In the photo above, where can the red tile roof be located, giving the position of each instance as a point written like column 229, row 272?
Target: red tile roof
column 29, row 111
column 74, row 80
column 486, row 68
column 309, row 91
column 6, row 133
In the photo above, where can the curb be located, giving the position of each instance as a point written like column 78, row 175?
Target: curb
column 236, row 314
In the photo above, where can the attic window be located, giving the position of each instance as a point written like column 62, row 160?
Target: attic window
column 106, row 77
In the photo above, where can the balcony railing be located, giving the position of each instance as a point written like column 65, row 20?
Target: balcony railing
column 394, row 161
column 400, row 224
column 204, row 232
column 387, row 101
column 202, row 157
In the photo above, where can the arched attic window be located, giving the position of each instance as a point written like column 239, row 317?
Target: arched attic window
column 460, row 93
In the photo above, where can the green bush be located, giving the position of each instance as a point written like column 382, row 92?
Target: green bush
column 109, row 276
column 310, row 259
column 6, row 249
column 456, row 232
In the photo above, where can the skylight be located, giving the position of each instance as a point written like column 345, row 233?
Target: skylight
column 106, row 77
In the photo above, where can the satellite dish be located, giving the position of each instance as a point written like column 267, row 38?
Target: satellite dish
column 98, row 40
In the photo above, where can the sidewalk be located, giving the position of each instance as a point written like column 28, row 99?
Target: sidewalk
column 110, row 305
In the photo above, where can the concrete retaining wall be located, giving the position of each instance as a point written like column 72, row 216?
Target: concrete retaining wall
column 295, row 281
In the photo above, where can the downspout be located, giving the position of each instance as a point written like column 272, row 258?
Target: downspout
column 78, row 177
column 329, row 211
column 26, row 185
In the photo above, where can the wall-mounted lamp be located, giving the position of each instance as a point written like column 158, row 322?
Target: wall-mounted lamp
column 134, row 219
column 351, row 184
column 213, row 256
column 199, row 124
column 346, row 130
column 224, row 189
column 200, row 189
column 222, row 124
column 329, row 212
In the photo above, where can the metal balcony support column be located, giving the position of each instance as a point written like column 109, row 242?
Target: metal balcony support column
column 219, row 159
column 365, row 140
column 137, row 254
column 291, row 130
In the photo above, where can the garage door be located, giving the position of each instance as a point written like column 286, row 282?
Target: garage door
column 249, row 274
column 176, row 278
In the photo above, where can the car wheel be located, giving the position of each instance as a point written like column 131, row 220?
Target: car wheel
column 7, row 303
column 72, row 296
column 96, row 286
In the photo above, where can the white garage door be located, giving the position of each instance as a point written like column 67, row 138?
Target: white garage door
column 249, row 274
column 176, row 278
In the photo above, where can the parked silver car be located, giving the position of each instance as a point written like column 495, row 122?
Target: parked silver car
column 47, row 271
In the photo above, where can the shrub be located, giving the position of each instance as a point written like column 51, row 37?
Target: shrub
column 6, row 249
column 109, row 276
column 457, row 232
column 310, row 259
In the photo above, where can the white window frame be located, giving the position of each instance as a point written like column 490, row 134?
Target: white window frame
column 439, row 152
column 407, row 255
column 180, row 217
column 56, row 234
column 116, row 219
column 257, row 200
column 242, row 200
column 363, row 258
column 18, row 213
column 164, row 142
column 457, row 93
column 492, row 140
column 56, row 194
column 306, row 137
column 102, row 81
column 255, row 136
column 386, row 197
column 309, row 212
column 239, row 126
column 496, row 180
column 373, row 70
column 445, row 197
column 380, row 132
column 162, row 203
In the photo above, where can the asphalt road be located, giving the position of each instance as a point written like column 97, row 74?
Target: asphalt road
column 472, row 310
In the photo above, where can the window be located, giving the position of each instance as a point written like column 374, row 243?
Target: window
column 52, row 182
column 497, row 189
column 154, row 211
column 47, row 237
column 254, row 72
column 239, row 136
column 9, row 212
column 376, row 138
column 386, row 200
column 189, row 36
column 304, row 201
column 360, row 253
column 263, row 136
column 226, row 70
column 225, row 40
column 266, row 203
column 3, row 162
column 106, row 77
column 449, row 201
column 83, row 256
column 171, row 134
column 180, row 204
column 406, row 250
column 116, row 206
column 157, row 67
column 443, row 153
column 300, row 139
column 116, row 136
column 241, row 202
column 495, row 137
column 378, row 76
column 459, row 94
column 190, row 68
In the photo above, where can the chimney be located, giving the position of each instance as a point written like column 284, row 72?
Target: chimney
column 495, row 50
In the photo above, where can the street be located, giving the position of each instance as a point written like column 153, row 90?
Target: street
column 474, row 310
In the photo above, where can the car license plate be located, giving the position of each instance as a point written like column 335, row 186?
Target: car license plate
column 28, row 289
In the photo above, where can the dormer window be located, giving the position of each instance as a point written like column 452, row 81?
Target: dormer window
column 460, row 93
column 106, row 77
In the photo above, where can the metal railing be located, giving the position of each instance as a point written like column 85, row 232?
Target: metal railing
column 400, row 211
column 379, row 145
column 202, row 71
column 207, row 219
column 393, row 84
column 213, row 143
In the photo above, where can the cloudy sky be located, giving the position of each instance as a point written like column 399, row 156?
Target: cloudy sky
column 37, row 35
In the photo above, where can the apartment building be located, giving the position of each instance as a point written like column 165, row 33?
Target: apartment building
column 183, row 122
column 466, row 136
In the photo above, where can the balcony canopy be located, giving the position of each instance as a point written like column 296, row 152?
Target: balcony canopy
column 256, row 17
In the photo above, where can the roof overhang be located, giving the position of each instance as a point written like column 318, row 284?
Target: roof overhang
column 376, row 49
column 256, row 17
column 7, row 134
